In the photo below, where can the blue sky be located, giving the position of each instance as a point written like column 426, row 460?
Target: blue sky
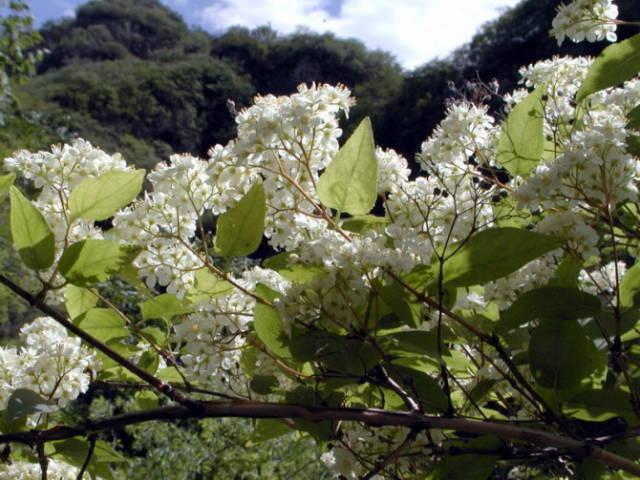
column 415, row 31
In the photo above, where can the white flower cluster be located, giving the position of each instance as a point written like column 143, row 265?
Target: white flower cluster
column 56, row 470
column 604, row 280
column 56, row 173
column 586, row 168
column 50, row 362
column 593, row 20
column 214, row 336
column 286, row 143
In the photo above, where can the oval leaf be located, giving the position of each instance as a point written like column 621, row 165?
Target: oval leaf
column 349, row 183
column 630, row 287
column 561, row 355
column 23, row 402
column 99, row 198
column 616, row 64
column 103, row 324
column 78, row 300
column 268, row 325
column 6, row 181
column 164, row 306
column 493, row 254
column 521, row 142
column 31, row 234
column 91, row 261
column 240, row 229
column 555, row 303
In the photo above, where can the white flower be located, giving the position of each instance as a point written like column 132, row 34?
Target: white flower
column 592, row 20
column 50, row 362
column 56, row 470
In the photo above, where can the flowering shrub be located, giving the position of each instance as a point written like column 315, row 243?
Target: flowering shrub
column 478, row 319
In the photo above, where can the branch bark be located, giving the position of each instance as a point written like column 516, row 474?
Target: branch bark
column 59, row 317
column 372, row 417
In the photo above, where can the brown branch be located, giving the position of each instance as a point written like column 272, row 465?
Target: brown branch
column 393, row 456
column 492, row 340
column 59, row 317
column 372, row 417
column 402, row 393
column 42, row 460
column 87, row 461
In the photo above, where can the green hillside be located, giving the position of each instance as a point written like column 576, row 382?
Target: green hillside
column 132, row 77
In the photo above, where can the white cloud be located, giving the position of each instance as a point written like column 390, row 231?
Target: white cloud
column 414, row 30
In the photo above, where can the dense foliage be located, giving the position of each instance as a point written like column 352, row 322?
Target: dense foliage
column 482, row 324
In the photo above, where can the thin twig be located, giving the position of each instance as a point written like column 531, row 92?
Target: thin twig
column 87, row 461
column 39, row 303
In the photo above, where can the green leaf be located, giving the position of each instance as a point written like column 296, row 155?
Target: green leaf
column 554, row 303
column 566, row 275
column 468, row 466
column 507, row 214
column 99, row 198
column 334, row 353
column 521, row 142
column 363, row 223
column 6, row 182
column 74, row 452
column 32, row 236
column 103, row 324
column 633, row 145
column 91, row 261
column 429, row 393
column 78, row 300
column 165, row 306
column 146, row 400
column 294, row 272
column 240, row 229
column 493, row 254
column 23, row 402
column 149, row 361
column 269, row 328
column 402, row 304
column 267, row 429
column 630, row 287
column 599, row 405
column 264, row 384
column 169, row 374
column 616, row 64
column 561, row 355
column 308, row 396
column 154, row 335
column 209, row 285
column 349, row 183
column 411, row 342
column 634, row 118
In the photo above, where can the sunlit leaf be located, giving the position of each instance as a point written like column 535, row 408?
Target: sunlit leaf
column 79, row 300
column 99, row 198
column 349, row 183
column 492, row 254
column 103, row 324
column 91, row 261
column 31, row 234
column 616, row 64
column 521, row 142
column 240, row 229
